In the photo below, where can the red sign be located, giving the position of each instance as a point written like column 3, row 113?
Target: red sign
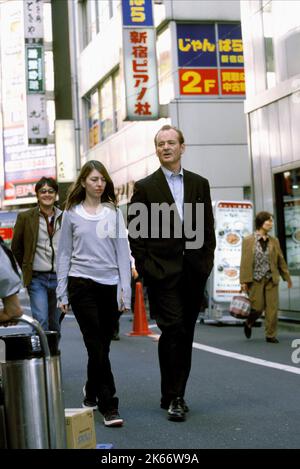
column 6, row 233
column 198, row 81
column 232, row 81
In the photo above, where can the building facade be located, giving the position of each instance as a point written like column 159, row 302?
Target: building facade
column 271, row 35
column 191, row 88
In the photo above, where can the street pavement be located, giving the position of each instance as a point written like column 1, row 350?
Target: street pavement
column 242, row 393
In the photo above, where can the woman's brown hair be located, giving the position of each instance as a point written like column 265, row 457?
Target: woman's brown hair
column 76, row 193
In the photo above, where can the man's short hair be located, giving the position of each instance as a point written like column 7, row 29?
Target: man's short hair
column 170, row 127
column 44, row 181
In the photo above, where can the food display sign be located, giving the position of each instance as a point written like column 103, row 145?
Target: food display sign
column 234, row 220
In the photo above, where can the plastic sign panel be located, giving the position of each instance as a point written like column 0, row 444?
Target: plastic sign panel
column 234, row 220
column 35, row 68
column 35, row 76
column 139, row 55
column 196, row 45
column 198, row 81
column 137, row 13
column 23, row 165
column 210, row 59
column 33, row 19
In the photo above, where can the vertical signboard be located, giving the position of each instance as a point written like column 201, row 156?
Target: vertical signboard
column 210, row 59
column 23, row 165
column 234, row 220
column 37, row 125
column 139, row 55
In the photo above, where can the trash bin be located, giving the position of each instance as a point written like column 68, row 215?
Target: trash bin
column 32, row 389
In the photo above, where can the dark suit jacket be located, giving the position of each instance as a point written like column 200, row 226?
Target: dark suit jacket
column 24, row 241
column 158, row 258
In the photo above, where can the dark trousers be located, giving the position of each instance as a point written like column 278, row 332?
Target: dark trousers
column 175, row 304
column 94, row 306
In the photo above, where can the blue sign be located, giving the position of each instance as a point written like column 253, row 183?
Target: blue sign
column 196, row 45
column 230, row 45
column 137, row 13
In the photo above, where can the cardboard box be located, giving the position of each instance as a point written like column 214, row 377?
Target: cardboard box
column 80, row 429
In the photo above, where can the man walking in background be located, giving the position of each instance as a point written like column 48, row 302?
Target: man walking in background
column 34, row 245
column 174, row 267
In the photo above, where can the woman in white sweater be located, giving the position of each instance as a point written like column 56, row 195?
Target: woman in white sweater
column 93, row 273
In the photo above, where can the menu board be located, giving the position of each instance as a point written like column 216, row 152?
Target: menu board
column 291, row 207
column 233, row 220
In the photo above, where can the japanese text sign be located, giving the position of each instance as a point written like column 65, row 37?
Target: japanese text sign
column 204, row 50
column 137, row 13
column 196, row 45
column 35, row 68
column 33, row 19
column 140, row 68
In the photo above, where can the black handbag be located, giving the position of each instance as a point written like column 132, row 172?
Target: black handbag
column 240, row 306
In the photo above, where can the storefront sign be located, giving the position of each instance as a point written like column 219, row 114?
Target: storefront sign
column 35, row 76
column 35, row 68
column 234, row 220
column 23, row 165
column 137, row 13
column 33, row 19
column 139, row 54
column 210, row 59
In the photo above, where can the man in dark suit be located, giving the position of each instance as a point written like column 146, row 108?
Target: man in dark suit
column 173, row 250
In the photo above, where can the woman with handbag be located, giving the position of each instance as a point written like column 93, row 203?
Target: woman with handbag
column 262, row 264
column 93, row 271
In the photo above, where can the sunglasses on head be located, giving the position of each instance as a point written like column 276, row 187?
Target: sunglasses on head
column 45, row 191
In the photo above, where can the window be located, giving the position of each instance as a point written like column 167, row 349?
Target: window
column 117, row 100
column 94, row 14
column 287, row 193
column 268, row 22
column 93, row 117
column 106, row 109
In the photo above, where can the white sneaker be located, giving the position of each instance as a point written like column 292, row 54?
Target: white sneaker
column 112, row 419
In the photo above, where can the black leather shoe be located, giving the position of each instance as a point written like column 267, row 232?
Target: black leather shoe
column 176, row 411
column 247, row 330
column 272, row 340
column 164, row 405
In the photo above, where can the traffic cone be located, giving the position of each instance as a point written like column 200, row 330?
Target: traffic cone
column 140, row 323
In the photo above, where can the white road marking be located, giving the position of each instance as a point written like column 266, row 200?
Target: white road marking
column 247, row 358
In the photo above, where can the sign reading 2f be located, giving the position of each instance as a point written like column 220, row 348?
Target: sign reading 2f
column 137, row 13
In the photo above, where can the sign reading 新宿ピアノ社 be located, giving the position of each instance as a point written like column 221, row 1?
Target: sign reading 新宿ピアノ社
column 139, row 57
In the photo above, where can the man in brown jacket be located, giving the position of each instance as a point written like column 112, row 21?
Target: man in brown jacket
column 262, row 264
column 34, row 245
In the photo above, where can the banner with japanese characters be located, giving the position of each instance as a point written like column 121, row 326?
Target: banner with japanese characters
column 139, row 56
column 210, row 59
column 23, row 164
column 37, row 125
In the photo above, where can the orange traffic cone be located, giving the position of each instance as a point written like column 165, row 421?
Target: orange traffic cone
column 140, row 323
